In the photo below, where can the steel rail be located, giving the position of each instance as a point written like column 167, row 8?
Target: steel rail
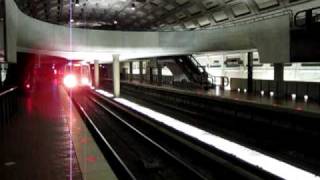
column 114, row 153
column 175, row 158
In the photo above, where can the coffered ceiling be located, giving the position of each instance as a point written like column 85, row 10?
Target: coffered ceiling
column 148, row 14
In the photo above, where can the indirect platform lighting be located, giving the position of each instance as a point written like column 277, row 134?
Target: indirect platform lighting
column 77, row 3
column 218, row 90
column 133, row 6
column 105, row 93
column 262, row 93
column 306, row 97
column 245, row 90
column 10, row 163
column 265, row 162
column 271, row 93
column 293, row 97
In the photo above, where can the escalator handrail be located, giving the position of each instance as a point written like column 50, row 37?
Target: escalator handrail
column 202, row 67
column 3, row 93
column 197, row 63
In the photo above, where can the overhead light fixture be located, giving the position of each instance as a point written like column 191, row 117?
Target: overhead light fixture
column 71, row 20
column 133, row 6
column 115, row 22
column 77, row 3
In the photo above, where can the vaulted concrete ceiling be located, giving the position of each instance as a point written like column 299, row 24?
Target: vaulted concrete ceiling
column 149, row 14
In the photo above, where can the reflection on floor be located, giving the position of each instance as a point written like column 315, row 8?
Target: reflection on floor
column 36, row 144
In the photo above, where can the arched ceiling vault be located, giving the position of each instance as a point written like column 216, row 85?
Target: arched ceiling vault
column 164, row 15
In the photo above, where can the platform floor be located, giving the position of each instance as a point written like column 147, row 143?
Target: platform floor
column 287, row 103
column 37, row 142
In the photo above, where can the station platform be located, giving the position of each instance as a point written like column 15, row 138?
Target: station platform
column 298, row 105
column 243, row 118
column 48, row 140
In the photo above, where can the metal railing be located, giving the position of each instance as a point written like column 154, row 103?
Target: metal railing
column 211, row 81
column 8, row 104
column 206, row 78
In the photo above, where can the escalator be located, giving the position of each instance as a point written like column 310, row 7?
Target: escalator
column 194, row 71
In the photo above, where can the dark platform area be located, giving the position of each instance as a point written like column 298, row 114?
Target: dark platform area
column 284, row 129
column 286, row 104
column 36, row 144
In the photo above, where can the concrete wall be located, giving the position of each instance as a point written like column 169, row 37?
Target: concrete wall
column 269, row 36
column 12, row 31
column 265, row 71
column 1, row 37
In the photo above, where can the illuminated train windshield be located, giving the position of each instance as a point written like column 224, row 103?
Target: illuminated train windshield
column 77, row 75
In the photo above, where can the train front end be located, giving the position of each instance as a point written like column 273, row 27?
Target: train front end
column 77, row 76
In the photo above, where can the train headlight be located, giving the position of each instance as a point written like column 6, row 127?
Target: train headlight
column 85, row 81
column 70, row 81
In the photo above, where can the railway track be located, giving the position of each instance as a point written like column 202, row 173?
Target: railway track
column 264, row 132
column 141, row 151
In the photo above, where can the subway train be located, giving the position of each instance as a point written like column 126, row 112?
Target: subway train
column 77, row 75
